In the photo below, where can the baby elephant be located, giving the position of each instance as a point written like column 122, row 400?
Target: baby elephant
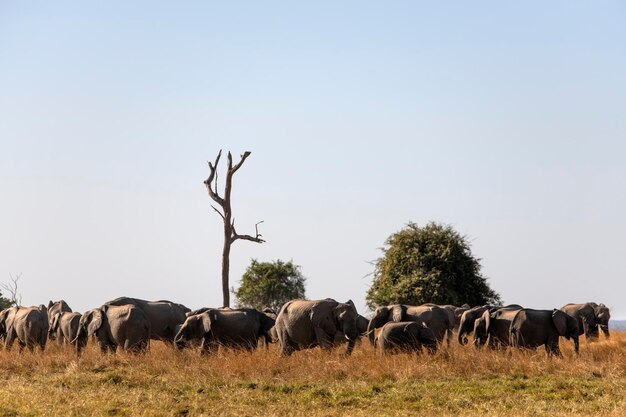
column 235, row 328
column 406, row 336
column 126, row 326
column 27, row 325
column 64, row 327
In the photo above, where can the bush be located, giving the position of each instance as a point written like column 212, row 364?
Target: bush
column 431, row 264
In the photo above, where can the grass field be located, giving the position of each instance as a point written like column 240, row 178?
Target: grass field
column 455, row 381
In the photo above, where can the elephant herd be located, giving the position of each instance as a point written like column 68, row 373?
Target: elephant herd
column 130, row 323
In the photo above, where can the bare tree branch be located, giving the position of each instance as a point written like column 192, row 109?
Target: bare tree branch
column 256, row 238
column 218, row 212
column 213, row 175
column 243, row 159
column 12, row 289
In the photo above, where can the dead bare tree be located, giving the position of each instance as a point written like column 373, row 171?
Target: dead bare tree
column 11, row 288
column 230, row 234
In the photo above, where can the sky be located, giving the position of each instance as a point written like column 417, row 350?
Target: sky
column 503, row 120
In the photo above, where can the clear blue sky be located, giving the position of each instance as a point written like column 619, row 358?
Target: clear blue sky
column 503, row 120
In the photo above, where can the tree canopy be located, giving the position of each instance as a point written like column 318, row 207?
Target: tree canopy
column 270, row 284
column 430, row 264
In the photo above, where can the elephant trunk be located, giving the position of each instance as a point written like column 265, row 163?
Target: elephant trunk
column 180, row 342
column 461, row 338
column 374, row 323
column 351, row 332
column 81, row 340
column 576, row 344
column 605, row 330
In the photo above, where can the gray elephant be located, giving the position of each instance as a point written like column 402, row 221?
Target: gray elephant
column 165, row 316
column 361, row 327
column 64, row 327
column 303, row 324
column 124, row 326
column 406, row 336
column 450, row 310
column 436, row 318
column 458, row 313
column 234, row 328
column 493, row 327
column 532, row 328
column 466, row 324
column 590, row 316
column 469, row 317
column 54, row 308
column 27, row 325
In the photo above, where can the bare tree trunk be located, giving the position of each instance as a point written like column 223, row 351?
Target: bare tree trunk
column 226, row 264
column 230, row 234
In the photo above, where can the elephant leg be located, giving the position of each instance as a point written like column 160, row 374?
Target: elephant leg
column 323, row 340
column 286, row 347
column 208, row 347
column 106, row 347
column 349, row 347
column 8, row 341
column 384, row 349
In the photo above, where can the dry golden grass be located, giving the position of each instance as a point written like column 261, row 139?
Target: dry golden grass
column 455, row 381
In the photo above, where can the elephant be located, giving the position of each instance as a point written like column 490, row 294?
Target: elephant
column 27, row 325
column 436, row 318
column 469, row 317
column 458, row 313
column 236, row 328
column 164, row 316
column 54, row 308
column 203, row 309
column 124, row 326
column 590, row 316
column 303, row 324
column 406, row 336
column 361, row 327
column 494, row 325
column 532, row 328
column 450, row 311
column 64, row 327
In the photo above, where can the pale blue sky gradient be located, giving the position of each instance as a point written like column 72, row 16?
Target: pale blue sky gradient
column 506, row 121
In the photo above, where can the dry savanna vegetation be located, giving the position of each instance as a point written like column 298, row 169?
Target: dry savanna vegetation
column 458, row 381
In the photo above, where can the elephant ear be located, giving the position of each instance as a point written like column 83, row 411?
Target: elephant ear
column 94, row 319
column 209, row 319
column 560, row 322
column 398, row 311
column 351, row 304
column 487, row 317
column 54, row 323
column 588, row 318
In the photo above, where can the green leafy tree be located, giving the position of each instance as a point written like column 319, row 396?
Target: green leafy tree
column 270, row 284
column 430, row 264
